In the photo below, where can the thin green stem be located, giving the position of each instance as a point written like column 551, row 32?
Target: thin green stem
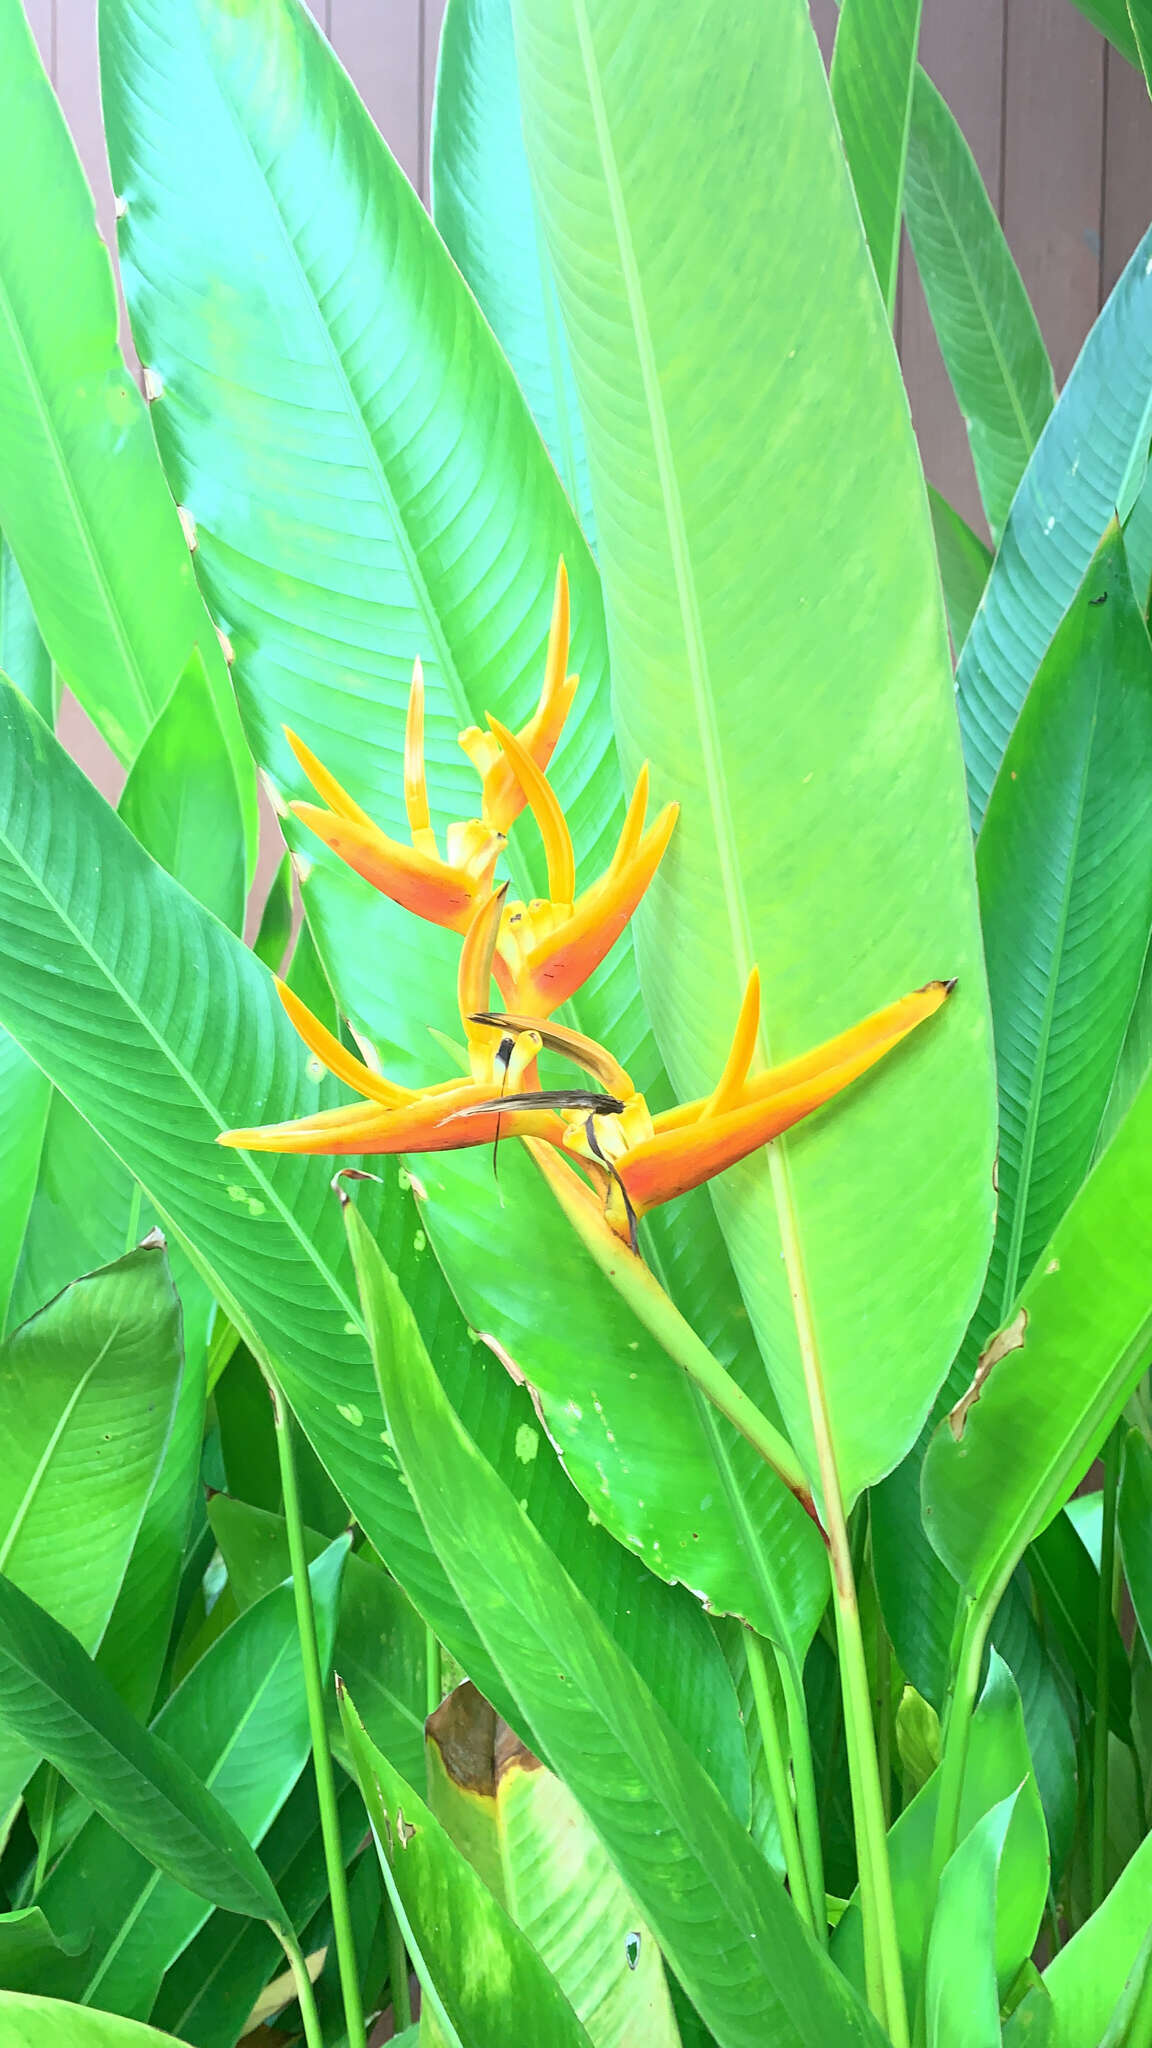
column 967, row 1662
column 305, row 1996
column 804, row 1786
column 882, row 1714
column 47, row 1820
column 1103, row 1638
column 317, row 1722
column 433, row 1670
column 877, row 1905
column 776, row 1767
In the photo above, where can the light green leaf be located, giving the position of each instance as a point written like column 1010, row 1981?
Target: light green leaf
column 961, row 1945
column 873, row 68
column 696, row 1876
column 49, row 2023
column 989, row 336
column 1086, row 1978
column 1012, row 1453
column 200, row 1043
column 24, row 1099
column 82, row 497
column 181, row 799
column 728, row 385
column 1062, row 509
column 1111, row 17
column 997, row 1764
column 240, row 1722
column 52, row 1694
column 964, row 565
column 485, row 1970
column 483, row 206
column 88, row 1389
column 1135, row 1527
column 23, row 655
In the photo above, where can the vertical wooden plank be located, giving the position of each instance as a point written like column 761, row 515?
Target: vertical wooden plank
column 379, row 42
column 433, row 22
column 825, row 14
column 962, row 50
column 1127, row 166
column 1053, row 166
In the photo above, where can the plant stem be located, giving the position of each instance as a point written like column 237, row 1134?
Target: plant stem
column 1103, row 1635
column 967, row 1663
column 317, row 1722
column 433, row 1670
column 804, row 1786
column 776, row 1766
column 882, row 1714
column 305, row 1996
column 47, row 1819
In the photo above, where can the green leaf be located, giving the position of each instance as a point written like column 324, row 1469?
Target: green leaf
column 89, row 1388
column 30, row 1947
column 23, row 655
column 1111, row 17
column 873, row 68
column 1068, row 1584
column 83, row 502
column 271, row 941
column 694, row 1872
column 1135, row 1528
column 1065, row 502
column 485, row 1971
column 961, row 1945
column 483, row 206
column 524, row 1834
column 380, row 1641
column 964, row 565
column 181, row 799
column 240, row 1723
column 998, row 1762
column 1009, row 1456
column 51, row 1693
column 989, row 336
column 24, row 1100
column 193, row 1040
column 1086, row 1978
column 1016, row 1637
column 727, row 386
column 49, row 2023
column 210, row 1990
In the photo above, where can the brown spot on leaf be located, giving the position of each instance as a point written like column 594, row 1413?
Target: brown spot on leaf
column 1006, row 1340
column 404, row 1829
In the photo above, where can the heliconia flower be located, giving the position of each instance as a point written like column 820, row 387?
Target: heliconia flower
column 548, row 948
column 643, row 1161
column 501, row 1099
column 443, row 890
column 503, row 795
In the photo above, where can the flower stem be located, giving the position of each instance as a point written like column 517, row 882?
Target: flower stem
column 321, row 1753
column 305, row 1996
column 776, row 1766
column 804, row 1784
column 1111, row 1457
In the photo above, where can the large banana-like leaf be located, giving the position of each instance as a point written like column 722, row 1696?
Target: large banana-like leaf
column 726, row 1926
column 779, row 653
column 178, row 1035
column 1012, row 1451
column 873, row 69
column 989, row 336
column 83, row 502
column 1062, row 508
column 483, row 206
column 410, row 506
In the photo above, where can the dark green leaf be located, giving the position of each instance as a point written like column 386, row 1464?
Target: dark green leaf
column 1068, row 1584
column 964, row 565
column 873, row 68
column 181, row 799
column 271, row 941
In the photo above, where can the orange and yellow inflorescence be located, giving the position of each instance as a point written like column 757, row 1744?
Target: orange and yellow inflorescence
column 539, row 954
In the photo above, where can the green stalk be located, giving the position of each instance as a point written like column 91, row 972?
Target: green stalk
column 305, row 1996
column 433, row 1670
column 967, row 1663
column 47, row 1820
column 321, row 1754
column 777, row 1769
column 804, row 1785
column 882, row 1714
column 877, row 1906
column 1103, row 1619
